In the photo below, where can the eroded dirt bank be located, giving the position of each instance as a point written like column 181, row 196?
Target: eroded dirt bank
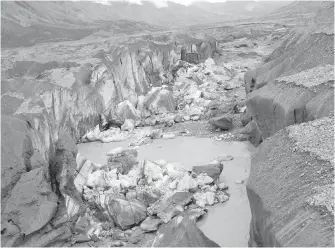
column 290, row 104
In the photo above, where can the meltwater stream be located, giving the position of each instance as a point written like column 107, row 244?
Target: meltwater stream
column 225, row 223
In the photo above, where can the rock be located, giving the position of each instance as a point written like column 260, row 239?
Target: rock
column 187, row 117
column 125, row 213
column 221, row 197
column 223, row 186
column 150, row 224
column 105, row 125
column 147, row 195
column 182, row 232
column 230, row 86
column 173, row 172
column 214, row 171
column 81, row 238
column 224, row 122
column 32, row 203
column 200, row 199
column 150, row 121
column 161, row 163
column 224, row 157
column 209, row 62
column 115, row 151
column 195, row 118
column 204, row 179
column 239, row 181
column 193, row 212
column 179, row 118
column 98, row 179
column 152, row 171
column 168, row 136
column 45, row 238
column 159, row 100
column 124, row 161
column 136, row 236
column 82, row 225
column 168, row 207
column 128, row 125
column 187, row 183
column 194, row 111
column 173, row 185
column 210, row 196
column 156, row 134
column 126, row 110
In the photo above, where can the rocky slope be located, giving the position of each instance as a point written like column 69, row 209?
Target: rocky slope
column 290, row 103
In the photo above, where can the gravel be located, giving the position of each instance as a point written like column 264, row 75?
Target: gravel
column 316, row 137
column 310, row 78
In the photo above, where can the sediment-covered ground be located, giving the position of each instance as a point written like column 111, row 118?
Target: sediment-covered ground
column 143, row 89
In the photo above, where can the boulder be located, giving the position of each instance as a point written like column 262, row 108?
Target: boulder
column 221, row 197
column 49, row 236
column 156, row 134
column 32, row 203
column 150, row 224
column 210, row 196
column 203, row 179
column 209, row 62
column 147, row 195
column 150, row 121
column 187, row 117
column 194, row 111
column 179, row 118
column 128, row 125
column 195, row 117
column 204, row 198
column 187, row 183
column 168, row 136
column 126, row 214
column 168, row 207
column 152, row 171
column 136, row 236
column 214, row 171
column 224, row 122
column 159, row 100
column 182, row 232
column 124, row 161
column 223, row 186
column 126, row 110
column 194, row 212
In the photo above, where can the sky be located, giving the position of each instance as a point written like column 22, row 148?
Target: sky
column 160, row 3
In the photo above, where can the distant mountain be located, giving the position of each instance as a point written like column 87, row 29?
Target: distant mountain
column 303, row 12
column 174, row 15
column 24, row 23
column 233, row 10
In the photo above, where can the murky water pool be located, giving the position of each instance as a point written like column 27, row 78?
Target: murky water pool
column 227, row 223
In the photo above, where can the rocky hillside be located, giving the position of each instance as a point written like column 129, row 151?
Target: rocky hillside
column 42, row 120
column 291, row 107
column 28, row 23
